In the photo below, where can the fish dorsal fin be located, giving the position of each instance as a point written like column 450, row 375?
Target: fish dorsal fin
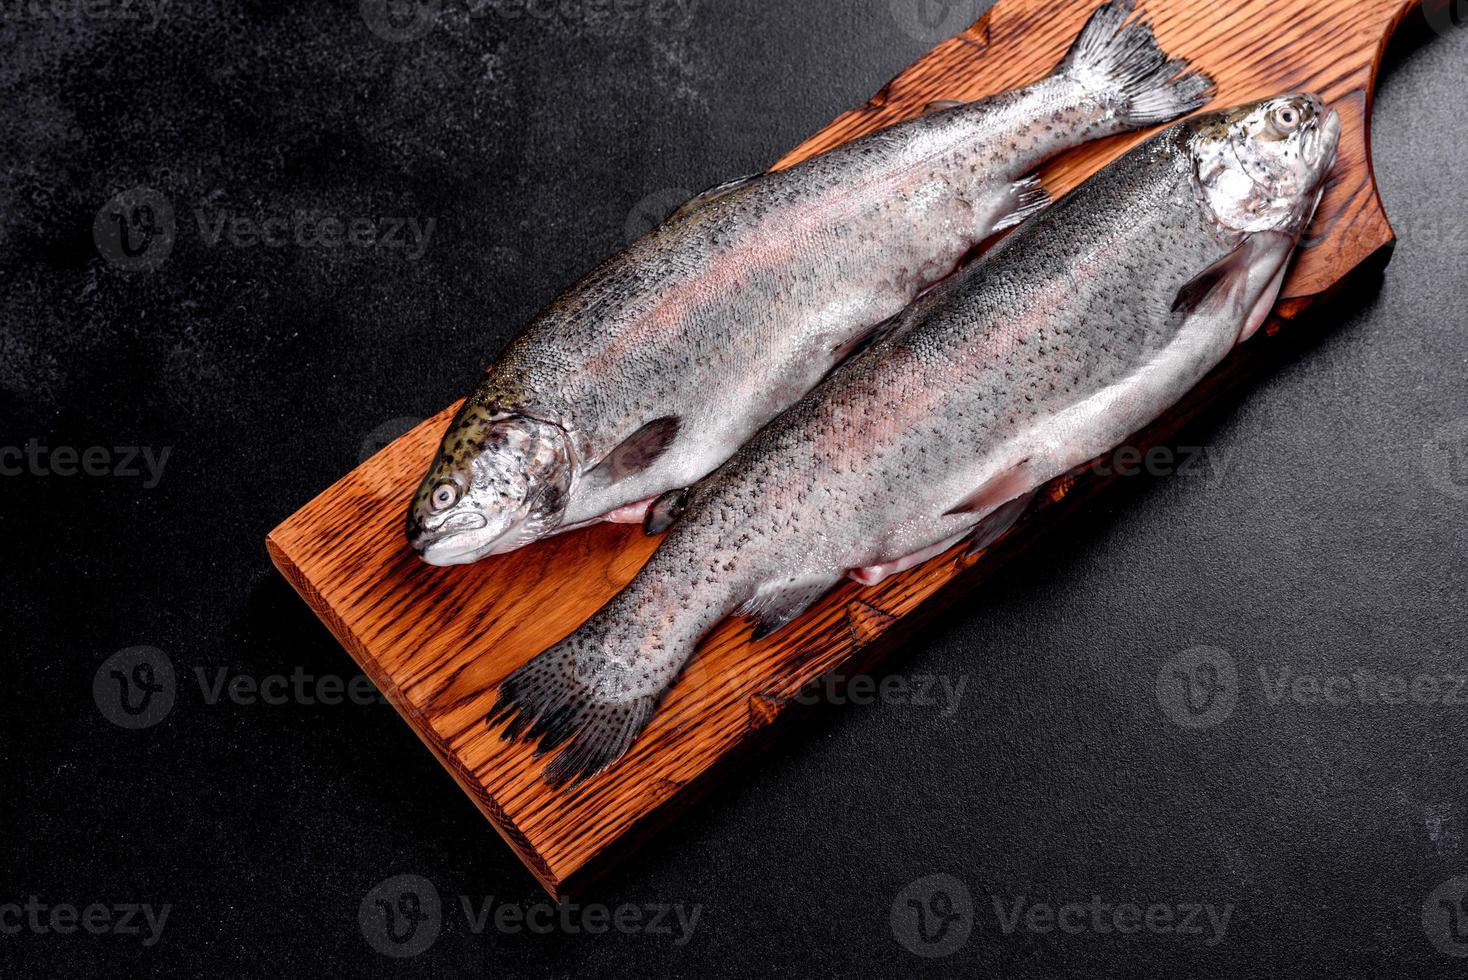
column 943, row 105
column 1003, row 488
column 637, row 452
column 1226, row 281
column 713, row 194
column 665, row 511
column 775, row 605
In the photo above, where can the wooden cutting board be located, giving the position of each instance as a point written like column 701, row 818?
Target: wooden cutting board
column 438, row 641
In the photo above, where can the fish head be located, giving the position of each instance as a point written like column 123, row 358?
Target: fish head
column 1263, row 166
column 500, row 481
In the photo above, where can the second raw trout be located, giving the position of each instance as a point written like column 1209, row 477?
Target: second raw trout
column 1076, row 331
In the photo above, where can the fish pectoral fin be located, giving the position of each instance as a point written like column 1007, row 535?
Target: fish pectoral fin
column 1027, row 198
column 776, row 605
column 637, row 452
column 943, row 105
column 665, row 511
column 1013, row 482
column 998, row 523
column 712, row 194
column 1226, row 283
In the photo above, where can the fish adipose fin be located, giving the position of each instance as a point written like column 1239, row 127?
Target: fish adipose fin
column 1124, row 60
column 1028, row 197
column 943, row 105
column 637, row 452
column 775, row 606
column 555, row 699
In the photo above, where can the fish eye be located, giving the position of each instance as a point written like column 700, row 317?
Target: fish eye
column 1286, row 119
column 444, row 495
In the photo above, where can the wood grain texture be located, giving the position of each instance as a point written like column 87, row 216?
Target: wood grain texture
column 438, row 641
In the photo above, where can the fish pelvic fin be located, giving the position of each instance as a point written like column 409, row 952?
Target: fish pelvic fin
column 776, row 605
column 1027, row 198
column 665, row 511
column 583, row 704
column 1125, row 62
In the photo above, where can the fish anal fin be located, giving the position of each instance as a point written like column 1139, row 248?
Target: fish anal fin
column 776, row 605
column 637, row 452
column 1003, row 488
column 998, row 523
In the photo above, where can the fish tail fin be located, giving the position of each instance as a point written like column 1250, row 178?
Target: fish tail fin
column 1126, row 62
column 577, row 698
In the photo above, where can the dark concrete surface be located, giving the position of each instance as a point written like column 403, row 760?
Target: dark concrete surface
column 1322, row 533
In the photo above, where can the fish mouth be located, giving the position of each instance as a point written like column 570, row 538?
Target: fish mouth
column 460, row 540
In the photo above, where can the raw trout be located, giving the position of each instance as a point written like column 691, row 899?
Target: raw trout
column 656, row 367
column 1083, row 326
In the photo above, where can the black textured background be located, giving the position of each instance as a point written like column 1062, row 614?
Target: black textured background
column 1323, row 533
